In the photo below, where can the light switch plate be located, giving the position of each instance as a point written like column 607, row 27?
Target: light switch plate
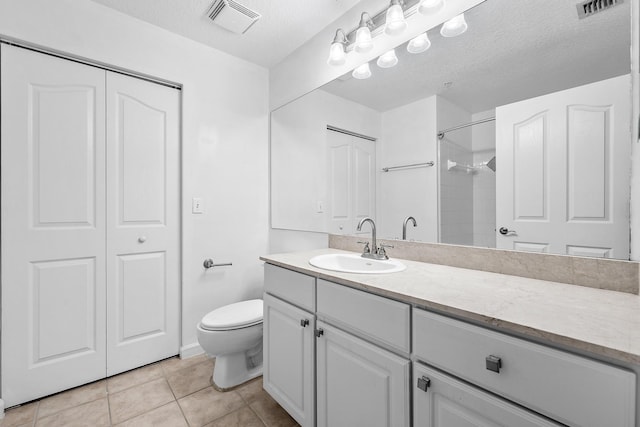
column 197, row 205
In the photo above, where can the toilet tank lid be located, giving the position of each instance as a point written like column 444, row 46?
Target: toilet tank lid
column 239, row 314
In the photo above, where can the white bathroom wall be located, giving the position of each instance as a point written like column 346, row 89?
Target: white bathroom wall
column 484, row 181
column 408, row 137
column 456, row 185
column 224, row 138
column 299, row 162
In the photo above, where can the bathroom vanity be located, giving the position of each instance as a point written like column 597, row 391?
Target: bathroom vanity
column 441, row 346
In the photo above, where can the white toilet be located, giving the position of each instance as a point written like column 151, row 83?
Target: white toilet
column 233, row 334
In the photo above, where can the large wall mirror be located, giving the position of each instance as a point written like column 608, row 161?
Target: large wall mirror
column 515, row 135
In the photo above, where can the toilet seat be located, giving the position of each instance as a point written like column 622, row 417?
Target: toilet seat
column 234, row 316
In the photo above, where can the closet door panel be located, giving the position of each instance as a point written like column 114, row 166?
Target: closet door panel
column 143, row 275
column 53, row 224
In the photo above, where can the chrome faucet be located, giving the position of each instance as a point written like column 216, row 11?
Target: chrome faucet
column 374, row 252
column 404, row 226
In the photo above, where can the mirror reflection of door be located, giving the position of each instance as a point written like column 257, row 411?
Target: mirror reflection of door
column 351, row 193
column 566, row 189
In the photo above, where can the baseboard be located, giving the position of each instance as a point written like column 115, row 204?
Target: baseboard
column 187, row 351
column 1, row 409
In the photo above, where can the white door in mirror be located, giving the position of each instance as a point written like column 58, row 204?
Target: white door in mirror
column 576, row 143
column 352, row 263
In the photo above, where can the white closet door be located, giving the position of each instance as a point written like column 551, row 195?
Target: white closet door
column 143, row 274
column 53, row 224
column 351, row 165
column 565, row 189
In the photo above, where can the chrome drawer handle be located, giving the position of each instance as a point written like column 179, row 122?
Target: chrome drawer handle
column 304, row 322
column 493, row 363
column 319, row 332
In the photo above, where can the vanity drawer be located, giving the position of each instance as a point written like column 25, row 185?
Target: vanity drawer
column 571, row 389
column 381, row 319
column 291, row 286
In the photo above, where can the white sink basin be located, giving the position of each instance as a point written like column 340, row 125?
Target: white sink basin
column 351, row 263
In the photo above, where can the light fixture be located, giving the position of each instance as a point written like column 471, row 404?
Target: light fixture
column 387, row 59
column 430, row 6
column 419, row 44
column 337, row 54
column 454, row 26
column 362, row 72
column 395, row 23
column 363, row 43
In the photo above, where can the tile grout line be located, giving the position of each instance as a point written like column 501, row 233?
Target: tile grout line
column 175, row 398
column 35, row 414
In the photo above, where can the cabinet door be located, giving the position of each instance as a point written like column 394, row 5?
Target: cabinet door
column 289, row 358
column 359, row 384
column 441, row 401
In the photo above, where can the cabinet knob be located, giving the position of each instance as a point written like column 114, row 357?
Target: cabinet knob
column 493, row 363
column 424, row 383
column 304, row 322
column 142, row 239
column 319, row 332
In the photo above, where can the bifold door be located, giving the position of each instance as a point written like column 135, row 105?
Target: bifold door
column 90, row 223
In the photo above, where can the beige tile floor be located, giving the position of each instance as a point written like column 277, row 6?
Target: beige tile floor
column 170, row 393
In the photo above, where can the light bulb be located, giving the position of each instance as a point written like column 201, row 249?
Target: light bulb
column 430, row 6
column 454, row 26
column 362, row 72
column 387, row 59
column 363, row 40
column 395, row 22
column 419, row 44
column 337, row 55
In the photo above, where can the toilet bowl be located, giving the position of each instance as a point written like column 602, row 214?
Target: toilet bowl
column 233, row 335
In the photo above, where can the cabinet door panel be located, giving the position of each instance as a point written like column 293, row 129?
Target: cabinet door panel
column 448, row 402
column 359, row 384
column 289, row 358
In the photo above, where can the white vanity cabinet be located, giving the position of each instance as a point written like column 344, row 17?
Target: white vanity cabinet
column 570, row 389
column 362, row 358
column 440, row 400
column 288, row 336
column 338, row 356
column 358, row 383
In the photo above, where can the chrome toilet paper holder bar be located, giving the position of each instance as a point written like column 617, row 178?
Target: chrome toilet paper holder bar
column 208, row 263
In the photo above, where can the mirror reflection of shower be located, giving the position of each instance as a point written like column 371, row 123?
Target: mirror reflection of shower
column 467, row 184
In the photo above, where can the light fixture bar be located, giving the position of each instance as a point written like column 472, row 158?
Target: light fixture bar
column 410, row 8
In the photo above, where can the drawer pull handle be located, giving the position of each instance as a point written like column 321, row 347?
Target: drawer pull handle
column 424, row 383
column 304, row 322
column 319, row 332
column 493, row 363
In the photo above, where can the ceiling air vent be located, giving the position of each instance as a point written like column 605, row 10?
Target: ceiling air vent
column 232, row 16
column 591, row 7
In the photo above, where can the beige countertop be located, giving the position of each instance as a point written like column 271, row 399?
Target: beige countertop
column 597, row 321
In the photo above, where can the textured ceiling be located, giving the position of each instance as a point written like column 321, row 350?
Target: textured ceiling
column 285, row 24
column 513, row 50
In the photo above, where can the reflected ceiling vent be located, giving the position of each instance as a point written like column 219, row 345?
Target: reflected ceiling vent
column 232, row 16
column 591, row 7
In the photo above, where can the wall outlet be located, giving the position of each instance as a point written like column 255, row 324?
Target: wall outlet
column 197, row 205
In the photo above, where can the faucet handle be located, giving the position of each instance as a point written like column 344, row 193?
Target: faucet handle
column 382, row 252
column 367, row 249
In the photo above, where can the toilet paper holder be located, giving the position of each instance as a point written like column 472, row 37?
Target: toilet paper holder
column 208, row 263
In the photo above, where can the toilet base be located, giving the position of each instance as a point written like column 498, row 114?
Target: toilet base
column 230, row 371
